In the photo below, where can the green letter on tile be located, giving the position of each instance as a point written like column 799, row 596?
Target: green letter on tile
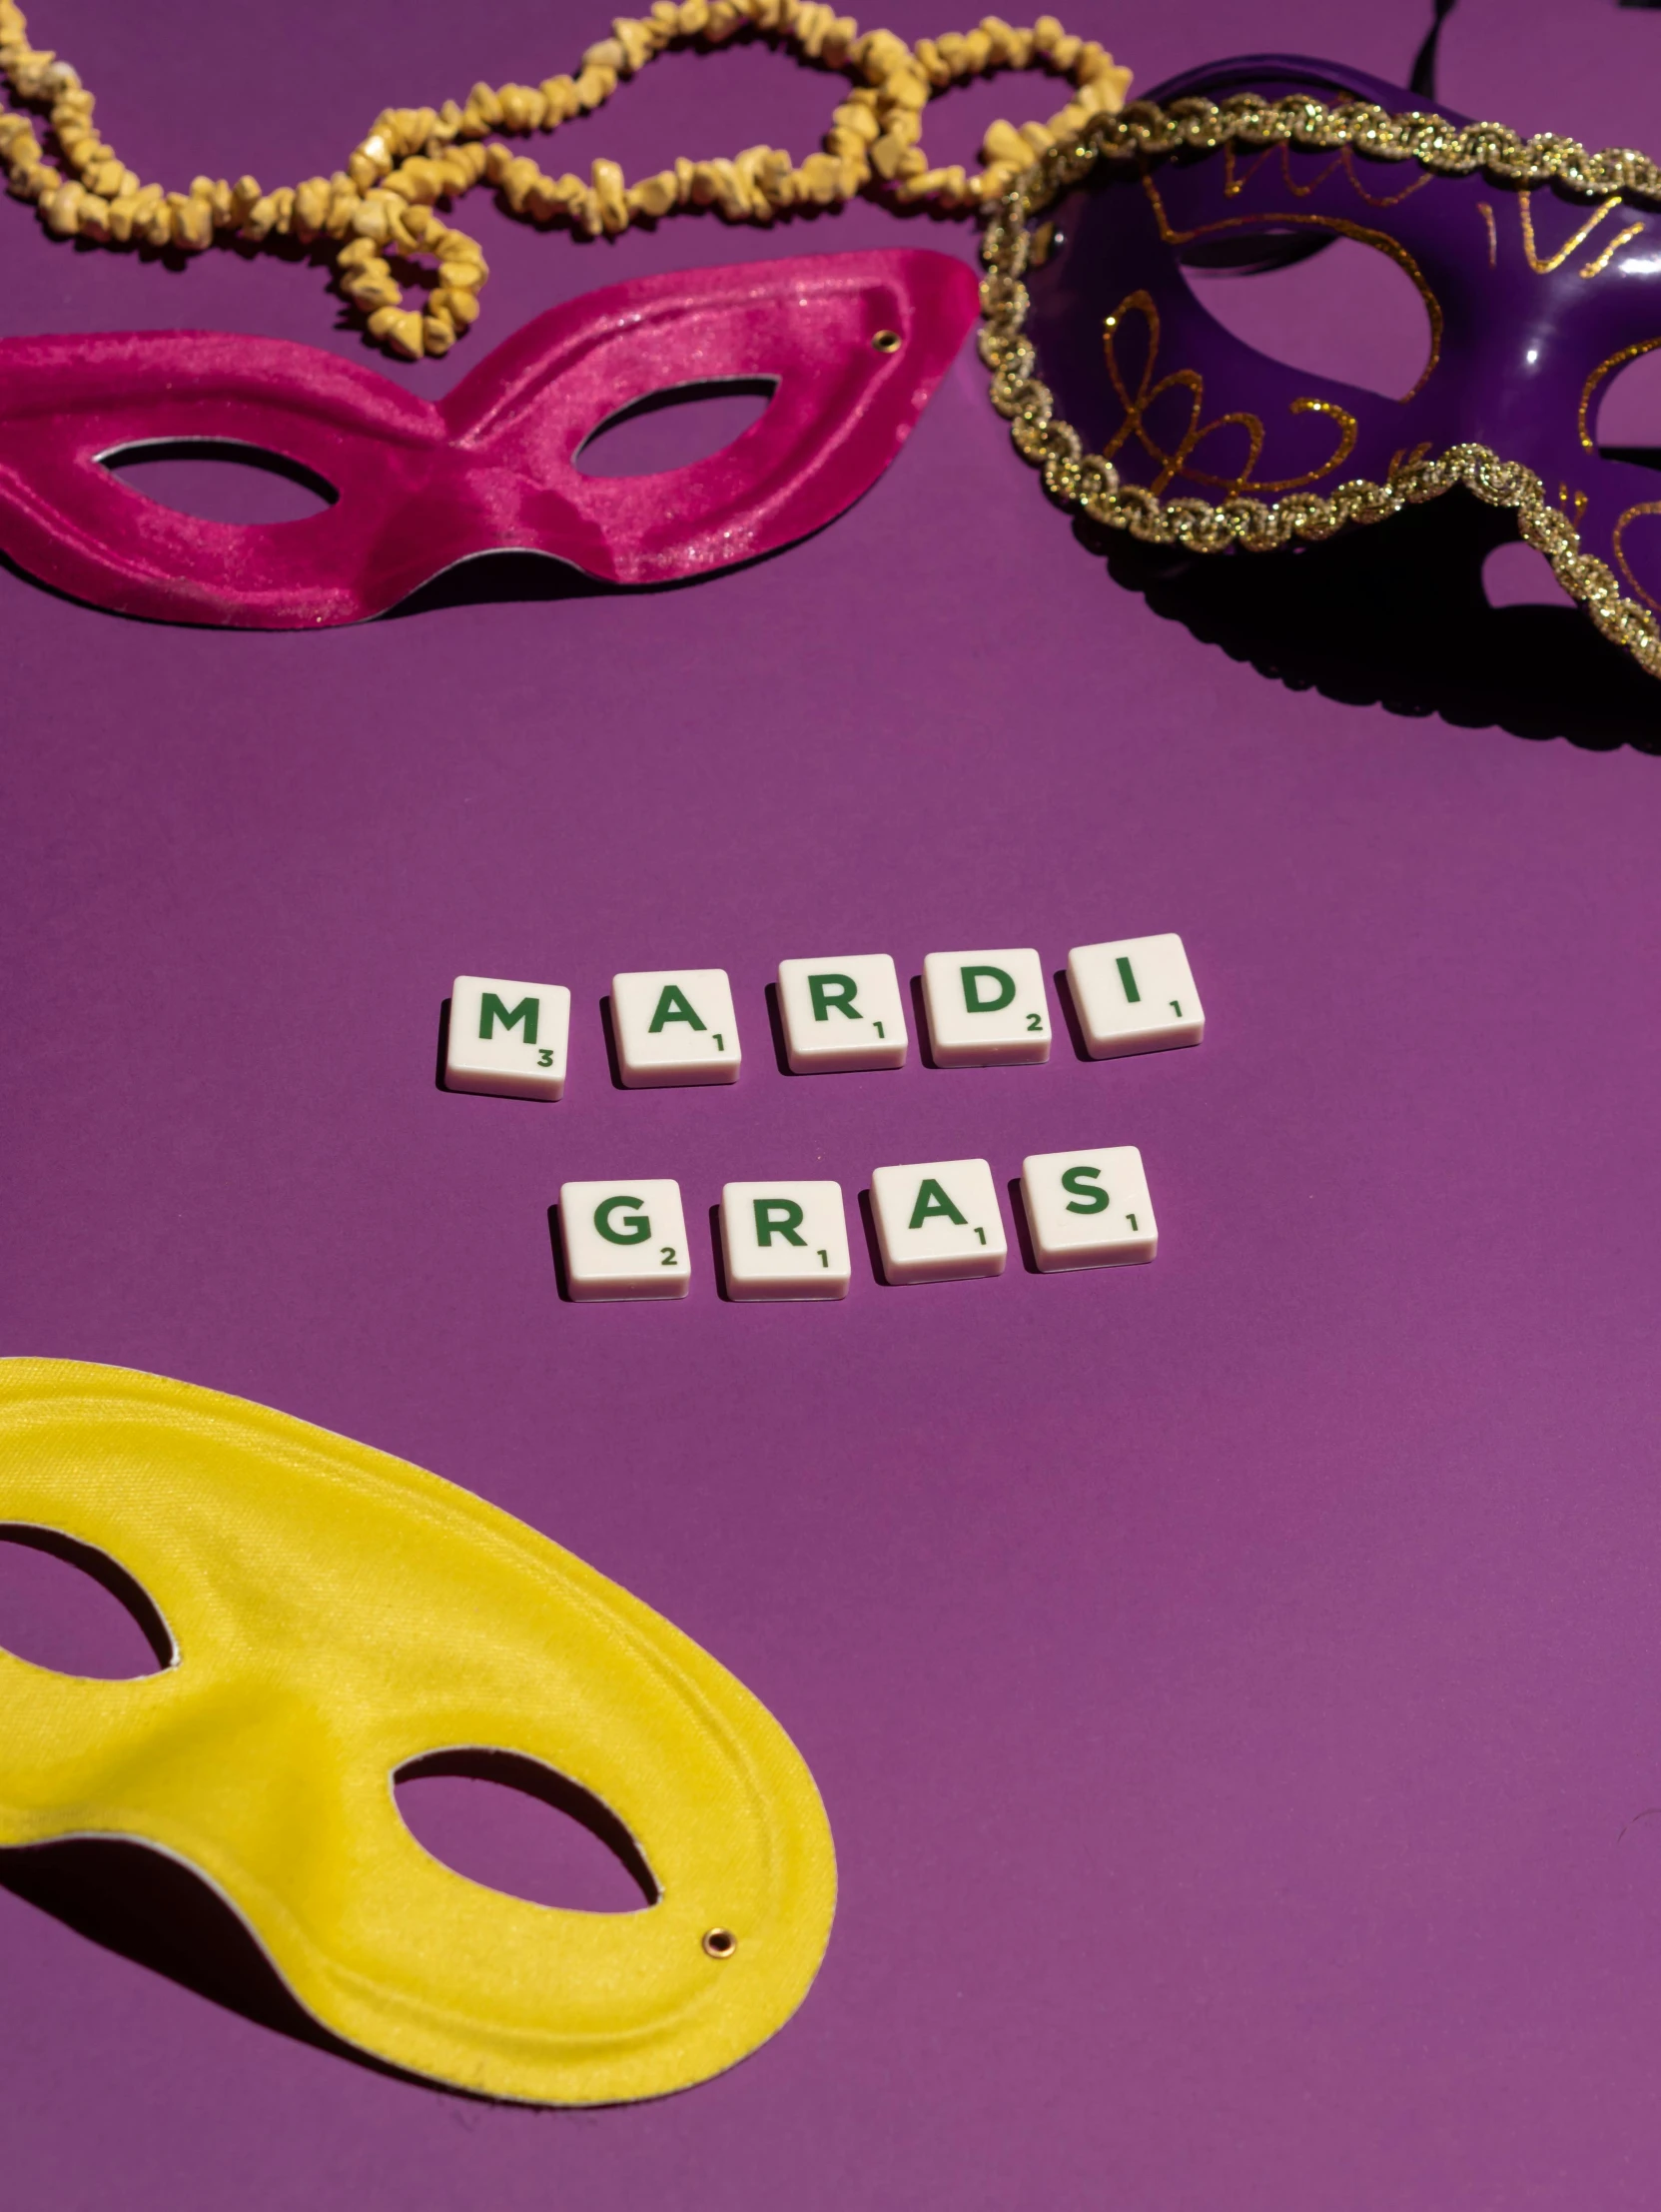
column 635, row 1230
column 972, row 998
column 933, row 1205
column 827, row 991
column 1085, row 1199
column 673, row 1005
column 777, row 1217
column 492, row 1010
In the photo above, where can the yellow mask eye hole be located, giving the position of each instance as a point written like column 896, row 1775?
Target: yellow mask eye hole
column 606, row 1872
column 344, row 1621
column 96, row 1656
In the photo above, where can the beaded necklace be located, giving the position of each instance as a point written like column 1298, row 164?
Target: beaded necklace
column 384, row 202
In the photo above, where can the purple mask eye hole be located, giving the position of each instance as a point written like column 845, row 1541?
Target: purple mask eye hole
column 221, row 480
column 1252, row 253
column 674, row 428
column 1629, row 413
column 1313, row 300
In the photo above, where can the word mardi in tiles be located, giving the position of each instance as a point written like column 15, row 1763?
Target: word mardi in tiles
column 937, row 1221
column 679, row 1025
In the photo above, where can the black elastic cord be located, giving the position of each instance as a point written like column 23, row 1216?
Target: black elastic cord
column 1424, row 78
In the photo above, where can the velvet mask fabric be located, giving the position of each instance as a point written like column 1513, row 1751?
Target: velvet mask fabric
column 854, row 343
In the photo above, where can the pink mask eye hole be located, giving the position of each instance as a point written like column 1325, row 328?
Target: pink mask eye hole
column 672, row 429
column 221, row 480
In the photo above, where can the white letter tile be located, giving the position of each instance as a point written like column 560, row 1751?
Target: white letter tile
column 674, row 1025
column 1135, row 995
column 842, row 1013
column 986, row 1009
column 1088, row 1209
column 624, row 1240
column 785, row 1240
column 938, row 1222
column 507, row 1039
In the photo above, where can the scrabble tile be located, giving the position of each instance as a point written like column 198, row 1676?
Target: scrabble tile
column 986, row 1009
column 1088, row 1209
column 938, row 1222
column 842, row 1013
column 624, row 1240
column 1135, row 995
column 785, row 1240
column 508, row 1039
column 674, row 1025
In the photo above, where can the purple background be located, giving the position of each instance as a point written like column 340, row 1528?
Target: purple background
column 1233, row 1682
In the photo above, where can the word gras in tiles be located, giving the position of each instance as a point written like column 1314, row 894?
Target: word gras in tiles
column 938, row 1221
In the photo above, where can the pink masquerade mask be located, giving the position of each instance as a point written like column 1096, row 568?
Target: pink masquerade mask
column 854, row 343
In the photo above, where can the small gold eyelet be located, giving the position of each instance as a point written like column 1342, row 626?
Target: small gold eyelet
column 720, row 1943
column 887, row 341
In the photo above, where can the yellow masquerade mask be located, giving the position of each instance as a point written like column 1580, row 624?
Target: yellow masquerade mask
column 337, row 1615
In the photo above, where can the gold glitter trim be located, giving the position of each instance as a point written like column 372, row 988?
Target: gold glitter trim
column 1089, row 483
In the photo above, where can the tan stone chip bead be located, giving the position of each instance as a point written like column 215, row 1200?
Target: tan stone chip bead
column 380, row 205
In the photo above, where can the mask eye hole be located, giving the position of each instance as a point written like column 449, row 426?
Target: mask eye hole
column 1629, row 412
column 1252, row 253
column 221, row 480
column 674, row 428
column 1335, row 308
column 65, row 1605
column 1515, row 574
column 514, row 1825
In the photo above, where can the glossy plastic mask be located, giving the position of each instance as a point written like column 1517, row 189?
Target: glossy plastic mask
column 335, row 1615
column 853, row 345
column 1535, row 296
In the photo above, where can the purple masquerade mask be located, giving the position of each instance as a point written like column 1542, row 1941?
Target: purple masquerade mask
column 854, row 343
column 1538, row 265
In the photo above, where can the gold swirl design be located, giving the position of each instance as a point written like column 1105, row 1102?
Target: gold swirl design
column 1599, row 262
column 1238, row 175
column 1178, row 463
column 1089, row 483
